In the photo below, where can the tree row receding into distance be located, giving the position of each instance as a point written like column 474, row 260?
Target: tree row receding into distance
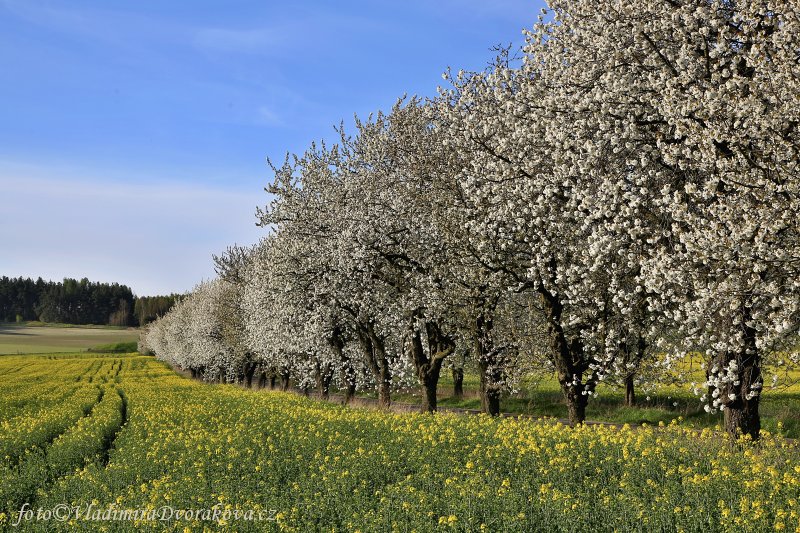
column 617, row 197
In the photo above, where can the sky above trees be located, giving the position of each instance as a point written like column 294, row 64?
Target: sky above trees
column 134, row 136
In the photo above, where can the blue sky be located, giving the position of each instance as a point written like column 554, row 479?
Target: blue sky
column 134, row 135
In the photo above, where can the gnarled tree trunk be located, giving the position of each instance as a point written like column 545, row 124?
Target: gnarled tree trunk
column 284, row 380
column 742, row 415
column 429, row 368
column 374, row 351
column 632, row 359
column 569, row 359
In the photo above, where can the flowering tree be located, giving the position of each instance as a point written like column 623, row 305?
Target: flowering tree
column 230, row 268
column 190, row 336
column 527, row 222
column 694, row 104
column 322, row 269
column 398, row 176
column 624, row 193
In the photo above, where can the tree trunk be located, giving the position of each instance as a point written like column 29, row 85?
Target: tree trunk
column 375, row 353
column 488, row 364
column 458, row 383
column 324, row 376
column 262, row 380
column 569, row 359
column 284, row 381
column 384, row 395
column 631, row 360
column 429, row 400
column 194, row 372
column 273, row 381
column 742, row 416
column 336, row 343
column 576, row 405
column 490, row 394
column 574, row 392
column 249, row 370
column 349, row 393
column 429, row 368
column 744, row 419
column 630, row 392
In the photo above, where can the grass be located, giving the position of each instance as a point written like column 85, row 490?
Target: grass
column 29, row 339
column 37, row 324
column 780, row 409
column 115, row 347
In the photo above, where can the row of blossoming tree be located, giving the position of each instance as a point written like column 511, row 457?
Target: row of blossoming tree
column 620, row 195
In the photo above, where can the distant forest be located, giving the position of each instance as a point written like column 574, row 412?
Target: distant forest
column 78, row 302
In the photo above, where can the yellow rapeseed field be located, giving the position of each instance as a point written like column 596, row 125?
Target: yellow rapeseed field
column 126, row 433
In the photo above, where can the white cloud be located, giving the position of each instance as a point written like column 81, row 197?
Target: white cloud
column 156, row 238
column 250, row 40
column 268, row 117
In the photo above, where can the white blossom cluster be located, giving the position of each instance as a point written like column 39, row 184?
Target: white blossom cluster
column 621, row 193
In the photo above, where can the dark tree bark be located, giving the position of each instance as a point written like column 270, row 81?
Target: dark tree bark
column 284, row 380
column 375, row 353
column 634, row 358
column 262, row 380
column 569, row 359
column 490, row 394
column 336, row 342
column 429, row 368
column 384, row 394
column 458, row 383
column 742, row 415
column 488, row 363
column 349, row 393
column 324, row 375
column 273, row 380
column 576, row 406
column 630, row 392
column 249, row 371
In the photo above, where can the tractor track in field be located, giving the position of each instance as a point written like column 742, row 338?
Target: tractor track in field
column 49, row 477
column 109, row 442
column 17, row 369
column 45, row 444
column 104, row 454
